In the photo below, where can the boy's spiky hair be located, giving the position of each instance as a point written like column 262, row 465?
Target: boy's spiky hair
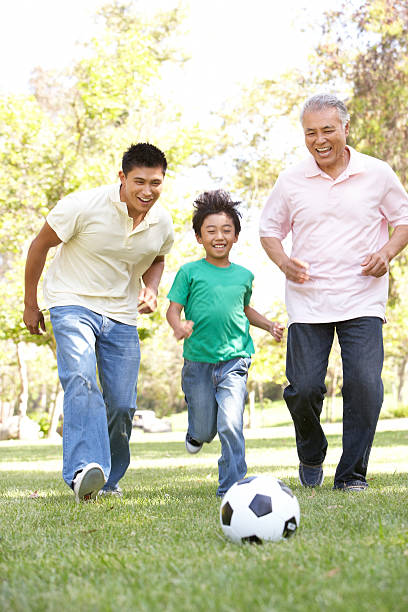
column 214, row 203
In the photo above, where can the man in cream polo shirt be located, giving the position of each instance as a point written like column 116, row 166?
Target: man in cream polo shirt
column 338, row 204
column 111, row 245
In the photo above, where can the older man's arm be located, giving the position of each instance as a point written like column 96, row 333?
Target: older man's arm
column 377, row 264
column 294, row 269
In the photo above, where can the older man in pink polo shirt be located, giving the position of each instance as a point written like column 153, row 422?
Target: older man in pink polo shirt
column 338, row 204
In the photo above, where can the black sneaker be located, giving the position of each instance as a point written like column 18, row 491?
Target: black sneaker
column 351, row 485
column 311, row 475
column 192, row 445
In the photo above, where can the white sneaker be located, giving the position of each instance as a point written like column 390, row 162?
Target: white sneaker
column 192, row 446
column 111, row 492
column 88, row 482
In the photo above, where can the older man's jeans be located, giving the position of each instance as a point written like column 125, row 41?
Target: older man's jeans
column 97, row 425
column 362, row 355
column 215, row 395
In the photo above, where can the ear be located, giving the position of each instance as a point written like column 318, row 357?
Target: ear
column 236, row 238
column 199, row 239
column 122, row 177
column 347, row 128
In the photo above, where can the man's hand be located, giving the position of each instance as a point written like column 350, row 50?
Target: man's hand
column 295, row 270
column 34, row 320
column 184, row 330
column 147, row 301
column 276, row 330
column 375, row 264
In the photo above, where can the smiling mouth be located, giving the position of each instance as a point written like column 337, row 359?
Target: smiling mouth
column 145, row 201
column 323, row 150
column 219, row 246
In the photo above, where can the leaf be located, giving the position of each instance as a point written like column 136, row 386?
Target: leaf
column 333, row 572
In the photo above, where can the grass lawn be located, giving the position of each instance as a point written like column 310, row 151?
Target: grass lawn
column 161, row 547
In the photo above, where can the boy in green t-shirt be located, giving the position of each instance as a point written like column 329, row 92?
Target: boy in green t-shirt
column 215, row 295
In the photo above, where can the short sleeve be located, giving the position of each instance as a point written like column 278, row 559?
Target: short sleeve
column 65, row 218
column 168, row 243
column 180, row 288
column 275, row 217
column 248, row 291
column 394, row 204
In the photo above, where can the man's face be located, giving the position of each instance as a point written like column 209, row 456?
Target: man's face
column 141, row 188
column 325, row 138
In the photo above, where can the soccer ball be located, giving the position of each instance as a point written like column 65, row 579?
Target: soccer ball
column 259, row 508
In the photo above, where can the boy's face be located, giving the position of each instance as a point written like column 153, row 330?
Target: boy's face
column 217, row 237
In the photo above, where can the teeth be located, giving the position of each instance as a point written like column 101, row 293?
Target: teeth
column 322, row 150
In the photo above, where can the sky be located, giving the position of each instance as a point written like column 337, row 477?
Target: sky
column 231, row 43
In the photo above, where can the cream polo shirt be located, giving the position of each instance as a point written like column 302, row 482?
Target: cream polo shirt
column 101, row 259
column 335, row 224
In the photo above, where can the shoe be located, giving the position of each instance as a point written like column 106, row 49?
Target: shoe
column 88, row 482
column 352, row 485
column 192, row 445
column 117, row 492
column 311, row 475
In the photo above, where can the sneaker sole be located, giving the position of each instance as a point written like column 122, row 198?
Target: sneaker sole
column 91, row 484
column 193, row 449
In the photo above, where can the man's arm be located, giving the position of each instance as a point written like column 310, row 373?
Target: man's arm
column 294, row 269
column 182, row 329
column 256, row 319
column 151, row 279
column 377, row 264
column 37, row 254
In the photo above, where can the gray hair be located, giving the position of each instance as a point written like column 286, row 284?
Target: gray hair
column 320, row 101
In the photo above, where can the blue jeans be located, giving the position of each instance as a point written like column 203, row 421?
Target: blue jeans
column 97, row 425
column 362, row 354
column 215, row 395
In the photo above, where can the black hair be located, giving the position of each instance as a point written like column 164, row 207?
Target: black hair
column 214, row 203
column 143, row 155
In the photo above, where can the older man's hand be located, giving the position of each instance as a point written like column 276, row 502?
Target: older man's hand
column 375, row 264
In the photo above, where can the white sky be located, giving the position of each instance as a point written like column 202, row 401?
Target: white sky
column 231, row 42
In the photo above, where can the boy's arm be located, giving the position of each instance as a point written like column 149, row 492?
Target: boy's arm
column 273, row 327
column 182, row 329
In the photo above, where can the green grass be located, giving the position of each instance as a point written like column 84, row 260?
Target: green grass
column 161, row 547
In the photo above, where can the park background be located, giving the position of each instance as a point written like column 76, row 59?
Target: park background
column 218, row 86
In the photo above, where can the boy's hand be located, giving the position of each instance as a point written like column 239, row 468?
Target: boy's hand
column 184, row 330
column 277, row 330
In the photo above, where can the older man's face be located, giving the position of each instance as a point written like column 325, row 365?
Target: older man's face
column 325, row 138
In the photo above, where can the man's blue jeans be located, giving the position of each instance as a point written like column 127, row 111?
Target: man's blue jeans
column 97, row 425
column 362, row 354
column 215, row 395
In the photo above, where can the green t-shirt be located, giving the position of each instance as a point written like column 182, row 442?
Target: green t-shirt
column 214, row 298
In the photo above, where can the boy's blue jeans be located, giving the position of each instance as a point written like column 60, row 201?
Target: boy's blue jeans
column 215, row 395
column 362, row 354
column 97, row 425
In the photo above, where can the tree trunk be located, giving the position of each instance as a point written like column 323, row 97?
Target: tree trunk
column 55, row 414
column 23, row 394
column 401, row 379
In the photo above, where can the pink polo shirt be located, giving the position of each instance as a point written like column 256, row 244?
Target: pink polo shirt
column 335, row 224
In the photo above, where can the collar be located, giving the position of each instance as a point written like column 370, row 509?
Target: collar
column 152, row 216
column 355, row 166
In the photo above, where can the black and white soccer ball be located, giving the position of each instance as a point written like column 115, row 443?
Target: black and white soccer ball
column 259, row 508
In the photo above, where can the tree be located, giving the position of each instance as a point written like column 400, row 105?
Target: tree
column 69, row 133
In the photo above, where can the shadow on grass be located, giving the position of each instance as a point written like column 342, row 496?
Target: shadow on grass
column 156, row 450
